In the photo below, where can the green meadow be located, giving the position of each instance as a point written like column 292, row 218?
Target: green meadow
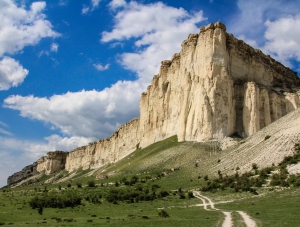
column 153, row 187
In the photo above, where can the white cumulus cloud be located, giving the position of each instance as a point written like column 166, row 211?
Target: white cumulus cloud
column 86, row 113
column 12, row 73
column 94, row 5
column 54, row 47
column 101, row 67
column 85, row 9
column 283, row 40
column 20, row 27
column 114, row 4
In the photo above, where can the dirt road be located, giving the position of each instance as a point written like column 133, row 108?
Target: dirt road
column 207, row 202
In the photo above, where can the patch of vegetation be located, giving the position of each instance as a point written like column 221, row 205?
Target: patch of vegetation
column 163, row 214
column 55, row 200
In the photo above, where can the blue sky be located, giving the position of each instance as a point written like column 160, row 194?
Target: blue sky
column 72, row 71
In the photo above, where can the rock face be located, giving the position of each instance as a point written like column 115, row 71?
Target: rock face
column 215, row 87
column 54, row 161
column 97, row 154
column 26, row 172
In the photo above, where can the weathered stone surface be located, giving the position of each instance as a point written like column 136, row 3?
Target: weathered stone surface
column 97, row 154
column 215, row 87
column 26, row 172
column 52, row 162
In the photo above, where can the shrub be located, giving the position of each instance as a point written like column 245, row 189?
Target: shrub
column 254, row 166
column 134, row 180
column 79, row 185
column 181, row 195
column 163, row 214
column 91, row 184
column 68, row 219
column 267, row 137
column 40, row 210
column 164, row 193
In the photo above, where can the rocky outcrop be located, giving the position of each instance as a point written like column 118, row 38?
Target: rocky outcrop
column 52, row 162
column 97, row 154
column 215, row 87
column 26, row 172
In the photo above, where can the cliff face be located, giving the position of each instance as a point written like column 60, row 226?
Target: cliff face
column 54, row 161
column 26, row 172
column 97, row 154
column 215, row 87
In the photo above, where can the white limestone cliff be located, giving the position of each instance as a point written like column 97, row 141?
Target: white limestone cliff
column 215, row 87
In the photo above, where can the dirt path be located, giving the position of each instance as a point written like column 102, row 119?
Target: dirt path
column 228, row 219
column 247, row 219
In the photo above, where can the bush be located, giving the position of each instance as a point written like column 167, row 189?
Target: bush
column 79, row 185
column 267, row 137
column 181, row 195
column 91, row 184
column 254, row 166
column 163, row 214
column 134, row 180
column 68, row 219
column 40, row 210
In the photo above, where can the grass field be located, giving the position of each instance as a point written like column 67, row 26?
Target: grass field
column 167, row 166
column 15, row 211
